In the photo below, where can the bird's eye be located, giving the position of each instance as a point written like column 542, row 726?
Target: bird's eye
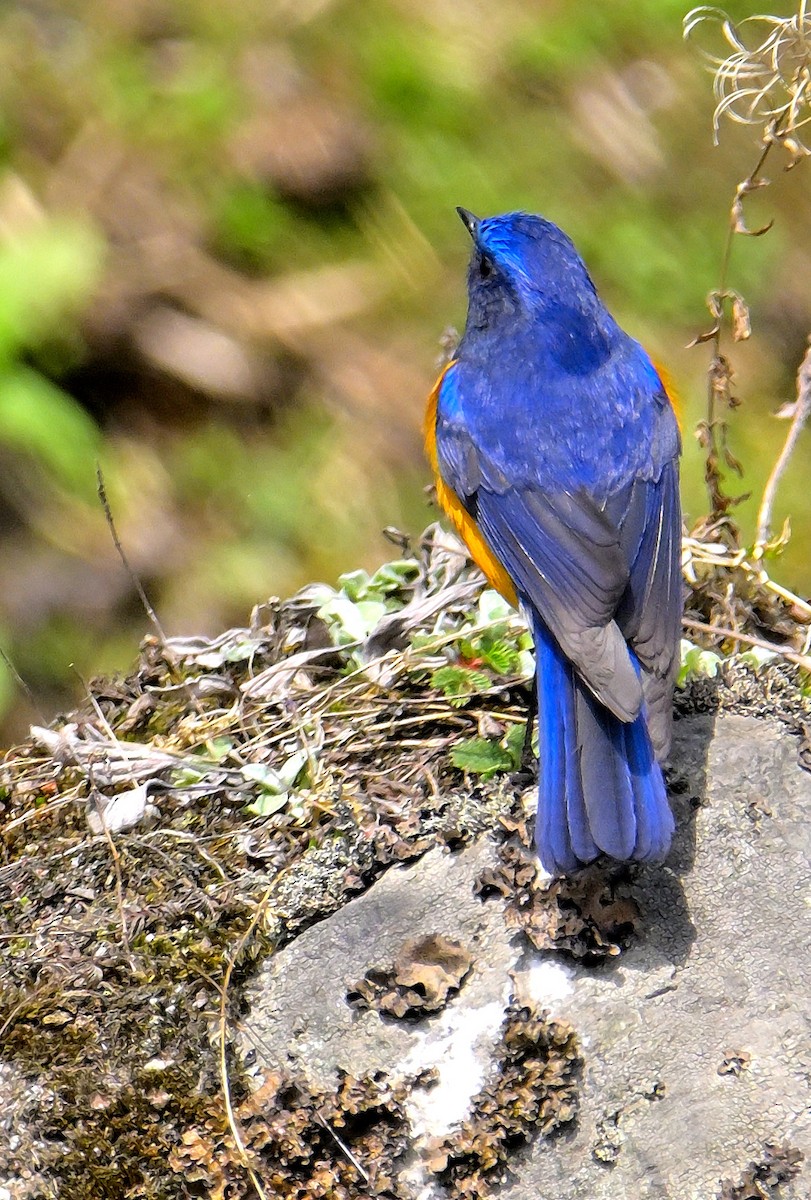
column 486, row 267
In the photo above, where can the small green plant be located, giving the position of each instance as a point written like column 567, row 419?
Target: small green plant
column 361, row 600
column 490, row 756
column 480, row 657
column 458, row 683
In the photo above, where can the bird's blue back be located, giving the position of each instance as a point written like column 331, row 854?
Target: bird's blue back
column 556, row 434
column 546, row 377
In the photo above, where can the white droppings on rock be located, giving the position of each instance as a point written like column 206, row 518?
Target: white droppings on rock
column 549, row 980
column 459, row 1048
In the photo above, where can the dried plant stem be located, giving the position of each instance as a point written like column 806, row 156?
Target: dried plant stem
column 97, row 798
column 342, row 1146
column 802, row 660
column 801, row 412
column 136, row 582
column 15, row 1012
column 718, row 372
column 22, row 685
column 784, row 593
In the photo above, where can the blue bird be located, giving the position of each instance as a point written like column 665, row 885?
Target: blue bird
column 556, row 453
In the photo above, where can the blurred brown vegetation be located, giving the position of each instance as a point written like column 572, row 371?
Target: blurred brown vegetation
column 228, row 251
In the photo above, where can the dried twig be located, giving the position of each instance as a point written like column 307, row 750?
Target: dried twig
column 802, row 408
column 136, row 582
column 801, row 660
column 342, row 1146
column 712, row 432
column 22, row 685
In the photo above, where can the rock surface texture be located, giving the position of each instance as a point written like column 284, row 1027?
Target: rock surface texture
column 695, row 1041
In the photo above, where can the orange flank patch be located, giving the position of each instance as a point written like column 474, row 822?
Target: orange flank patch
column 461, row 520
column 670, row 390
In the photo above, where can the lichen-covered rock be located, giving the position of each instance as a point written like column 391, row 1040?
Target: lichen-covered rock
column 718, row 972
column 174, row 996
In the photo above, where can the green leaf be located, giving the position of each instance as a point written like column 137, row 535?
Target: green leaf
column 268, row 803
column 275, row 784
column 695, row 662
column 371, row 612
column 218, row 748
column 350, row 621
column 290, row 770
column 498, row 653
column 419, row 640
column 186, row 777
column 274, row 793
column 265, row 777
column 459, row 683
column 493, row 607
column 514, row 743
column 354, row 584
column 481, row 756
column 395, row 576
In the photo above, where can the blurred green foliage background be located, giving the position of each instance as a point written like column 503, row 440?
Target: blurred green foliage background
column 228, row 250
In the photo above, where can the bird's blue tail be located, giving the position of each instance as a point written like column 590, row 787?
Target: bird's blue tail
column 600, row 787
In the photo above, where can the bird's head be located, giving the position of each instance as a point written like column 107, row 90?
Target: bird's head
column 525, row 273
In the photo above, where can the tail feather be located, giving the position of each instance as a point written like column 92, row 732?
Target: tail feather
column 604, row 775
column 555, row 725
column 600, row 787
column 654, row 819
column 583, row 844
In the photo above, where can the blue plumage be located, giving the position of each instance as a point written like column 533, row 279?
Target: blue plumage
column 557, row 436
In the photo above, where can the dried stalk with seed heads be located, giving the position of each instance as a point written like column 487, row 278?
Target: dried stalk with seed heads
column 767, row 84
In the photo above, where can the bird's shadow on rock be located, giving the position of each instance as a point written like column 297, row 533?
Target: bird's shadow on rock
column 668, row 931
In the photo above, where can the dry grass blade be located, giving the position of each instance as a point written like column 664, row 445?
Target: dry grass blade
column 101, row 489
column 225, row 1080
column 342, row 1146
column 116, row 860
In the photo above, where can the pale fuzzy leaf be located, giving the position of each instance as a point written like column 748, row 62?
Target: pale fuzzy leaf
column 119, row 812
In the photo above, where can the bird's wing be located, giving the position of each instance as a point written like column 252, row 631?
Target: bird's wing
column 600, row 576
column 564, row 557
column 648, row 516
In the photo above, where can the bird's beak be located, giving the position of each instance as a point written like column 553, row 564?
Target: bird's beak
column 470, row 222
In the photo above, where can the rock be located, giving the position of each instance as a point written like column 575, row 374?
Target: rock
column 695, row 1040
